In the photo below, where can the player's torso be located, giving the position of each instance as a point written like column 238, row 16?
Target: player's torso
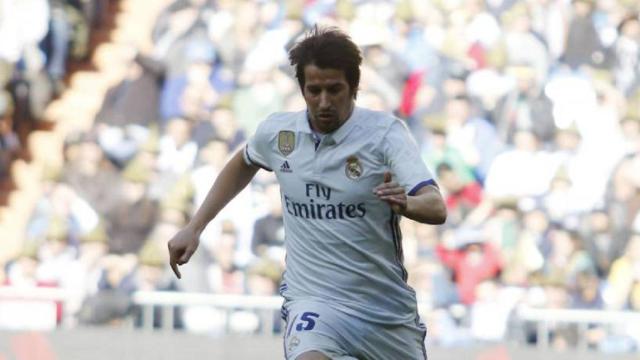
column 330, row 183
column 340, row 177
column 342, row 241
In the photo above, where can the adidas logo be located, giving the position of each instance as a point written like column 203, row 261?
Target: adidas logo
column 285, row 167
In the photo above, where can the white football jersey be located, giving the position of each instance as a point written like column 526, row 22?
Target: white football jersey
column 343, row 244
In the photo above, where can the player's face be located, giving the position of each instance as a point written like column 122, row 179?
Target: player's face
column 328, row 96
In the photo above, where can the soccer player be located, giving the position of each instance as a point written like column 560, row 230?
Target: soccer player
column 347, row 174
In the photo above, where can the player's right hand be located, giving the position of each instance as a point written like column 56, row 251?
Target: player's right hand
column 181, row 247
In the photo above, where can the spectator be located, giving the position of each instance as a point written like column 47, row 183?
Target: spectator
column 601, row 245
column 567, row 258
column 623, row 290
column 135, row 99
column 178, row 25
column 525, row 107
column 587, row 294
column 111, row 304
column 461, row 198
column 89, row 172
column 268, row 231
column 503, row 226
column 627, row 52
column 177, row 152
column 475, row 138
column 22, row 272
column 9, row 146
column 196, row 92
column 62, row 203
column 630, row 127
column 583, row 46
column 437, row 151
column 256, row 97
column 20, row 35
column 150, row 275
column 55, row 252
column 524, row 258
column 225, row 277
column 471, row 260
column 130, row 222
column 432, row 284
column 220, row 125
column 84, row 271
column 491, row 312
column 556, row 296
column 522, row 45
column 262, row 278
column 557, row 200
column 122, row 144
column 623, row 196
column 524, row 171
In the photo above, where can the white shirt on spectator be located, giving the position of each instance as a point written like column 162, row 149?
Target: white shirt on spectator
column 241, row 211
column 175, row 159
column 520, row 173
column 22, row 23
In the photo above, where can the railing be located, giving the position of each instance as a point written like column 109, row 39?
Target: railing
column 265, row 306
column 32, row 308
column 36, row 293
column 544, row 318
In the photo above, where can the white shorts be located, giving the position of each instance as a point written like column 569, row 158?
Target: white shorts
column 312, row 325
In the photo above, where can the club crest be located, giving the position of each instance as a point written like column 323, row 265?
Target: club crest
column 286, row 142
column 293, row 343
column 353, row 168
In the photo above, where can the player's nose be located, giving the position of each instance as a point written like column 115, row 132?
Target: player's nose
column 324, row 100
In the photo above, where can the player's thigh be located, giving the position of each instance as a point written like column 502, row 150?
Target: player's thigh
column 317, row 355
column 313, row 332
column 398, row 342
column 312, row 355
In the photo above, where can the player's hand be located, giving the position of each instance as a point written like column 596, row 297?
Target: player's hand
column 181, row 247
column 392, row 193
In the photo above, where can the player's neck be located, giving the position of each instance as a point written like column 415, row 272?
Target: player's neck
column 318, row 132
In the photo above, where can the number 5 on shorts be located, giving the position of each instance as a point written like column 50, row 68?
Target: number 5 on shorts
column 308, row 322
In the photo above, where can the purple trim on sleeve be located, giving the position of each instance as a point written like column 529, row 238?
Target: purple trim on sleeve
column 421, row 185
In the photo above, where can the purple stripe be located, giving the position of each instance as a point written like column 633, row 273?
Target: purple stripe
column 397, row 242
column 424, row 335
column 424, row 347
column 291, row 325
column 405, row 275
column 421, row 185
column 284, row 347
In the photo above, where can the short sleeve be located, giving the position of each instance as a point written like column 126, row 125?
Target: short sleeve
column 402, row 155
column 257, row 150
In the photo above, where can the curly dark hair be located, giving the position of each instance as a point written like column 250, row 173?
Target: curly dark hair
column 327, row 48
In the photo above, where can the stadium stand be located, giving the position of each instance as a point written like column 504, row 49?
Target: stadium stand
column 527, row 112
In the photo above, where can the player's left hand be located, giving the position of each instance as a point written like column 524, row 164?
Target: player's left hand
column 392, row 193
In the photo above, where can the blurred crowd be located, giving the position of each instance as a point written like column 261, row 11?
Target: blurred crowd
column 38, row 40
column 527, row 113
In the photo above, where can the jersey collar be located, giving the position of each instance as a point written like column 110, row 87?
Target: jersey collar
column 340, row 134
column 303, row 125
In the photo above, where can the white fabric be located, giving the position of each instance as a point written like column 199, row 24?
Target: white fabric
column 343, row 243
column 23, row 23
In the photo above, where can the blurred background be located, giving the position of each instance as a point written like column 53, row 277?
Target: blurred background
column 117, row 115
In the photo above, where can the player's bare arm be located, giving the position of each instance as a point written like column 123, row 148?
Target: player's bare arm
column 232, row 179
column 426, row 206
